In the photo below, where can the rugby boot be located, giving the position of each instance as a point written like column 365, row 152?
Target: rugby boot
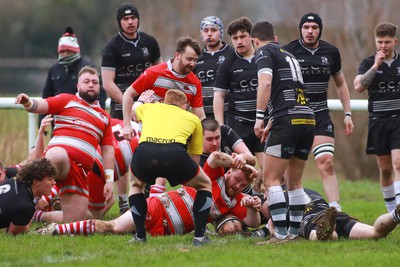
column 325, row 223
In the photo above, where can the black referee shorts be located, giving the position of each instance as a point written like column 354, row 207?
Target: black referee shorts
column 171, row 161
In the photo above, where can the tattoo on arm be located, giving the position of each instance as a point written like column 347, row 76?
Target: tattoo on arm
column 368, row 77
column 34, row 106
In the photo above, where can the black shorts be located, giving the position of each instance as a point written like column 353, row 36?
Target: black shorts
column 291, row 136
column 383, row 136
column 344, row 223
column 116, row 111
column 324, row 125
column 171, row 161
column 246, row 131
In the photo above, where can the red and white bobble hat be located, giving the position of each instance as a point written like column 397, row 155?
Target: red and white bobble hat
column 68, row 41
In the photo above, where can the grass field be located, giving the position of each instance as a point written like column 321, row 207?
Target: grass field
column 361, row 199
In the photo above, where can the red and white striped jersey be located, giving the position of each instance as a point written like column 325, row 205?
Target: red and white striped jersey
column 79, row 127
column 161, row 78
column 123, row 148
column 178, row 204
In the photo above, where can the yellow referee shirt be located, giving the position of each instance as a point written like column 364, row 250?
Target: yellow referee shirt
column 164, row 124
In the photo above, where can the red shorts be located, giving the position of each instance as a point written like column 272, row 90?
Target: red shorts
column 97, row 201
column 76, row 181
column 155, row 219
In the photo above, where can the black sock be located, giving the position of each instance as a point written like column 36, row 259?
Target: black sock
column 130, row 200
column 201, row 211
column 138, row 205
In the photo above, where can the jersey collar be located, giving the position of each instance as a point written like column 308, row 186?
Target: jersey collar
column 312, row 51
column 134, row 42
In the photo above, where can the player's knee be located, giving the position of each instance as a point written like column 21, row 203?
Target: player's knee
column 137, row 183
column 324, row 149
column 201, row 182
column 386, row 173
column 396, row 165
column 323, row 155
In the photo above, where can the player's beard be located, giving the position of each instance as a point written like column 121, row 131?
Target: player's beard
column 90, row 98
column 213, row 45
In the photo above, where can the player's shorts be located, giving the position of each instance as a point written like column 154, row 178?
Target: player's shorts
column 172, row 161
column 291, row 136
column 76, row 181
column 155, row 224
column 96, row 182
column 246, row 131
column 344, row 223
column 116, row 111
column 84, row 160
column 383, row 135
column 324, row 125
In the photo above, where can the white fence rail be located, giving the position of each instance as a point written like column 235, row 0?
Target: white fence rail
column 8, row 102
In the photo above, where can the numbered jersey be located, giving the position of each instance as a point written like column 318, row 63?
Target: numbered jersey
column 287, row 93
column 16, row 204
column 123, row 148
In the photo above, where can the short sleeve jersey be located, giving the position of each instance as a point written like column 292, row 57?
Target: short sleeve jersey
column 79, row 126
column 384, row 91
column 129, row 58
column 317, row 66
column 206, row 70
column 162, row 123
column 161, row 78
column 16, row 204
column 238, row 77
column 287, row 97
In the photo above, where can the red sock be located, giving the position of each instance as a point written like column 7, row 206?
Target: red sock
column 156, row 190
column 85, row 228
column 37, row 216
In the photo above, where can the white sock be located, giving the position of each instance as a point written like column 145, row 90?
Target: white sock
column 336, row 205
column 297, row 203
column 277, row 208
column 389, row 195
column 397, row 191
